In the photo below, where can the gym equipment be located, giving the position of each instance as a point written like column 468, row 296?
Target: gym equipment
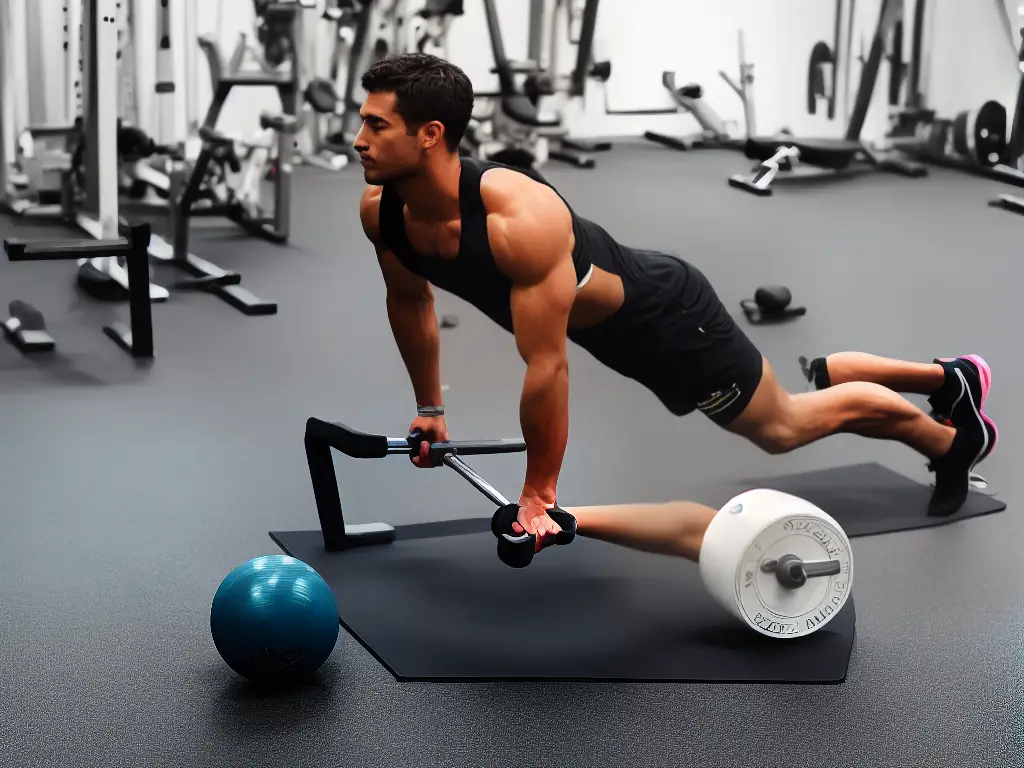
column 516, row 550
column 1013, row 153
column 435, row 605
column 87, row 168
column 205, row 187
column 242, row 204
column 771, row 304
column 869, row 499
column 823, row 69
column 515, row 124
column 981, row 134
column 609, row 613
column 972, row 141
column 34, row 119
column 517, row 132
column 26, row 329
column 830, row 157
column 325, row 59
column 274, row 620
column 690, row 98
column 145, row 159
column 773, row 523
column 363, row 33
column 356, row 22
column 777, row 563
column 322, row 436
column 578, row 19
column 136, row 337
column 117, row 249
column 972, row 138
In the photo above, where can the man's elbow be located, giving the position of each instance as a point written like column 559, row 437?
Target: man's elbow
column 548, row 365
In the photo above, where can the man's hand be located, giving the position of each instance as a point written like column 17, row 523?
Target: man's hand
column 534, row 519
column 434, row 430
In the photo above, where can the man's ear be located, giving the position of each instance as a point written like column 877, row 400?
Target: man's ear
column 431, row 134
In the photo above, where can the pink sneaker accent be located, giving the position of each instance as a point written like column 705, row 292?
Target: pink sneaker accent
column 985, row 375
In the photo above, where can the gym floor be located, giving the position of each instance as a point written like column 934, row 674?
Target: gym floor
column 129, row 491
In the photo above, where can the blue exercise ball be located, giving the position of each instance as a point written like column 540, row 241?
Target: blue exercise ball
column 274, row 620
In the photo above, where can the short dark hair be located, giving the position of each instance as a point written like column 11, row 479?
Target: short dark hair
column 426, row 88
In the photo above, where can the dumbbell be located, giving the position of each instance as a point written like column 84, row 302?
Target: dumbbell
column 26, row 328
column 771, row 304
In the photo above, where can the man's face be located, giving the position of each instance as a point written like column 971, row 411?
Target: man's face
column 387, row 151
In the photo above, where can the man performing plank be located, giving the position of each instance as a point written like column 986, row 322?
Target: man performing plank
column 511, row 246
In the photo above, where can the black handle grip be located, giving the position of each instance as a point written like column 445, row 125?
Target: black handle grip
column 516, row 550
column 463, row 447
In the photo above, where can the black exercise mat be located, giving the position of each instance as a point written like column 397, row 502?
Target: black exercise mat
column 438, row 605
column 869, row 499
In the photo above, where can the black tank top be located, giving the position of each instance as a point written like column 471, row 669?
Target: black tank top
column 637, row 341
column 473, row 275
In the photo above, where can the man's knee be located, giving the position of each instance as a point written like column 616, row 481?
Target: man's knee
column 776, row 437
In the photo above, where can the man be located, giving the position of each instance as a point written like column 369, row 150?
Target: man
column 513, row 248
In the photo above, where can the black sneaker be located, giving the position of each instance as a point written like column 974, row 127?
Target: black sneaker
column 975, row 381
column 974, row 434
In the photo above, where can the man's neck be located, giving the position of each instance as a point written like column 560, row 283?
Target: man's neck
column 433, row 195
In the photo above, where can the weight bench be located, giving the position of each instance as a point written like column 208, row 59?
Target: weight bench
column 822, row 157
column 690, row 98
column 832, row 157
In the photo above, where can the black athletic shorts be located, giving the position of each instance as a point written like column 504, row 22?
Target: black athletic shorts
column 674, row 336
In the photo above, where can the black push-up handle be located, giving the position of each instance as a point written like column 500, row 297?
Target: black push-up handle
column 516, row 550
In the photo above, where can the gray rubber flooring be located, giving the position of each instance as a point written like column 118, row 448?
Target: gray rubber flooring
column 127, row 492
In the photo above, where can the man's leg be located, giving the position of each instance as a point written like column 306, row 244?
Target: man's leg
column 946, row 381
column 780, row 422
column 897, row 375
column 674, row 528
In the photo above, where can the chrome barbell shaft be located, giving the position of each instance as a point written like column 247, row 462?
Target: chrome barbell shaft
column 478, row 482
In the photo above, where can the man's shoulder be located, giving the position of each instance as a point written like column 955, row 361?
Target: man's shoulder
column 371, row 196
column 505, row 191
column 369, row 211
column 528, row 224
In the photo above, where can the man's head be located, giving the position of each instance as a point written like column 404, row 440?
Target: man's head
column 417, row 105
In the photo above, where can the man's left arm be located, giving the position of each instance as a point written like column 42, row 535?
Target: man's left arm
column 533, row 247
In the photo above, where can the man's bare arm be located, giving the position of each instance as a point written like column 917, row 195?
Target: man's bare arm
column 531, row 237
column 410, row 305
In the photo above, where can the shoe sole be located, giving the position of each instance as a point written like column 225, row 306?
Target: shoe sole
column 985, row 376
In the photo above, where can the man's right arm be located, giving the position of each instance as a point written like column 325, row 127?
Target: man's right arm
column 410, row 305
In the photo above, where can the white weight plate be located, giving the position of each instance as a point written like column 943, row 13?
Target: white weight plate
column 765, row 524
column 777, row 611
